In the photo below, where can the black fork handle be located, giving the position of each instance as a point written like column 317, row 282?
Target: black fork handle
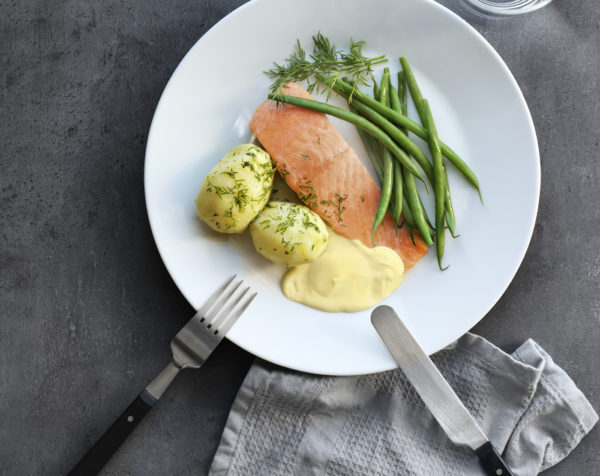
column 109, row 443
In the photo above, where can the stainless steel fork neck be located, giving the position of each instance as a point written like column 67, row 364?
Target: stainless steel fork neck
column 157, row 387
column 198, row 338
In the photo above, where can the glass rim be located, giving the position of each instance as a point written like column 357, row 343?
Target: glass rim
column 494, row 8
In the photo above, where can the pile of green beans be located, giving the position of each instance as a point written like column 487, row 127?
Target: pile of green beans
column 384, row 126
column 394, row 181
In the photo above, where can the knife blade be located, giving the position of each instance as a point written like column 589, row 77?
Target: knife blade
column 434, row 390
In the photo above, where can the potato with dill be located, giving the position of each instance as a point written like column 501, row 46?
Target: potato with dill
column 236, row 189
column 288, row 234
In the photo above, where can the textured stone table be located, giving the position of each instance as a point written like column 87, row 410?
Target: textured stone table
column 87, row 306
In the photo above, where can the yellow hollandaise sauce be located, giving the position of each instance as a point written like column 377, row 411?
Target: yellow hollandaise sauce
column 347, row 277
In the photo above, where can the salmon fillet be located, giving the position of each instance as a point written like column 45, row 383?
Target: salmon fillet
column 327, row 175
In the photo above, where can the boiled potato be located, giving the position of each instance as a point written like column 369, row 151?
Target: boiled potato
column 236, row 189
column 288, row 234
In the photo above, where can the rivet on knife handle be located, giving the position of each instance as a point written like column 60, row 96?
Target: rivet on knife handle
column 491, row 461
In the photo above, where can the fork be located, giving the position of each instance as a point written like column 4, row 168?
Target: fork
column 190, row 348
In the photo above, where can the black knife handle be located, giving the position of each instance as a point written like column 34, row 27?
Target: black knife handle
column 491, row 461
column 109, row 443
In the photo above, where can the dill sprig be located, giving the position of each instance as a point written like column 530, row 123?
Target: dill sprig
column 326, row 59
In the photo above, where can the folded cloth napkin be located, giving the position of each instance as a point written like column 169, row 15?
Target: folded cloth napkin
column 285, row 422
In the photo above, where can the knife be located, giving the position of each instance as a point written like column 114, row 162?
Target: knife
column 435, row 391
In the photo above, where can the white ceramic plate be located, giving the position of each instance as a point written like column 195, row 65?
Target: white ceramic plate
column 480, row 112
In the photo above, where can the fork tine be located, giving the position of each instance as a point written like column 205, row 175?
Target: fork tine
column 235, row 316
column 222, row 316
column 210, row 301
column 214, row 310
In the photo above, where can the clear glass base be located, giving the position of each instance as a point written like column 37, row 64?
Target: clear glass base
column 503, row 8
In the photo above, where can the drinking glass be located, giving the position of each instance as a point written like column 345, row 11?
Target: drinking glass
column 503, row 8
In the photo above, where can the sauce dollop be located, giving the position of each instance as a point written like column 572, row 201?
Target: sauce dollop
column 347, row 277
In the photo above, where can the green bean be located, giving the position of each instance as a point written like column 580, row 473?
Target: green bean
column 424, row 211
column 431, row 227
column 408, row 216
column 358, row 121
column 417, row 98
column 407, row 213
column 417, row 208
column 438, row 174
column 415, row 92
column 395, row 100
column 398, row 102
column 397, row 194
column 343, row 88
column 397, row 188
column 371, row 147
column 410, row 232
column 393, row 211
column 384, row 88
column 388, row 163
column 402, row 95
column 450, row 218
column 420, row 205
column 408, row 219
column 386, row 193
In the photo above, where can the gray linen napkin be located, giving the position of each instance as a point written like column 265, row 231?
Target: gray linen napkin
column 284, row 422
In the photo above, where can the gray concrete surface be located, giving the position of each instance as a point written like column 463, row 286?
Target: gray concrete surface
column 87, row 307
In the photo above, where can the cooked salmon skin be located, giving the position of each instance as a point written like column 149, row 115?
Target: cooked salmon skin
column 327, row 175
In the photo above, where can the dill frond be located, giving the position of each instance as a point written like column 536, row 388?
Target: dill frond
column 326, row 59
